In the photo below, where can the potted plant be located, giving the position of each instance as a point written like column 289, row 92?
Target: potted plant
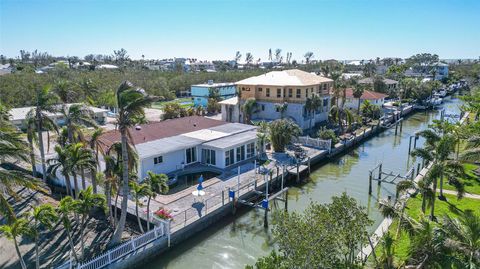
column 163, row 213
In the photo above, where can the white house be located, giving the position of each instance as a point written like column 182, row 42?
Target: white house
column 189, row 145
column 374, row 98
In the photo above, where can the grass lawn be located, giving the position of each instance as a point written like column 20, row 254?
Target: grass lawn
column 160, row 105
column 471, row 181
column 450, row 207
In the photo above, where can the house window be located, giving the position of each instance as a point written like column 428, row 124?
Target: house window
column 263, row 107
column 240, row 153
column 306, row 92
column 250, row 150
column 229, row 157
column 191, row 155
column 279, row 93
column 208, row 156
column 260, row 89
column 324, row 87
column 158, row 160
column 267, row 93
column 299, row 93
column 290, row 93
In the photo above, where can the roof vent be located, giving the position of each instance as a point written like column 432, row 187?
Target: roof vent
column 138, row 127
column 194, row 125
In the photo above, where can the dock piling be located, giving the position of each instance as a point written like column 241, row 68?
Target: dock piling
column 370, row 183
column 380, row 174
column 418, row 169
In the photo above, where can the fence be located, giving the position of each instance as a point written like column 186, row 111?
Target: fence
column 112, row 255
column 314, row 142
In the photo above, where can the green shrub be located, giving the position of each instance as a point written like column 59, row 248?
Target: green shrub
column 328, row 134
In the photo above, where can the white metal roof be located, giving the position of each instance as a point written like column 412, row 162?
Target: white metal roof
column 293, row 77
column 230, row 101
column 233, row 140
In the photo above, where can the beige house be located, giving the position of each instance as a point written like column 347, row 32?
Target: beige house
column 292, row 87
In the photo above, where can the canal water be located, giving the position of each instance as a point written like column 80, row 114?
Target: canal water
column 237, row 241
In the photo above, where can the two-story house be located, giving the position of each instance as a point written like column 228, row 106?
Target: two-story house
column 201, row 92
column 274, row 89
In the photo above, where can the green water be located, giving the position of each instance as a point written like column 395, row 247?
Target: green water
column 240, row 240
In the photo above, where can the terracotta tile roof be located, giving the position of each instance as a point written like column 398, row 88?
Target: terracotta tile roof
column 161, row 129
column 367, row 95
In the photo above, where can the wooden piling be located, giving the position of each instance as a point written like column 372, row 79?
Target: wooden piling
column 380, row 174
column 265, row 218
column 370, row 184
column 309, row 165
column 409, row 144
column 286, row 200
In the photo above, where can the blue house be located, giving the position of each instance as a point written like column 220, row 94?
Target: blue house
column 200, row 92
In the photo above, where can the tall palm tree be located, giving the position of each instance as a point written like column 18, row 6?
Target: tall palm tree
column 87, row 200
column 97, row 148
column 31, row 123
column 437, row 150
column 312, row 105
column 357, row 93
column 12, row 149
column 43, row 215
column 130, row 101
column 158, row 184
column 62, row 162
column 18, row 227
column 139, row 191
column 65, row 210
column 76, row 116
column 111, row 184
column 248, row 109
column 80, row 158
column 463, row 237
column 45, row 103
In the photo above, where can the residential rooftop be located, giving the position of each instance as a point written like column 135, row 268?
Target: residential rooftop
column 214, row 85
column 367, row 95
column 292, row 77
column 370, row 81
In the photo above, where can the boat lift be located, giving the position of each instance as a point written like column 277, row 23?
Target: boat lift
column 390, row 178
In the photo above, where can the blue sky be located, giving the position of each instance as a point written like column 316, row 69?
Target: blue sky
column 216, row 29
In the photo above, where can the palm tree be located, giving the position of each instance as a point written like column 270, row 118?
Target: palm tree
column 262, row 135
column 388, row 250
column 46, row 101
column 80, row 158
column 62, row 162
column 111, row 184
column 308, row 56
column 463, row 237
column 32, row 124
column 131, row 102
column 282, row 108
column 77, row 115
column 18, row 227
column 311, row 105
column 42, row 215
column 158, row 184
column 357, row 93
column 282, row 132
column 437, row 149
column 65, row 209
column 248, row 58
column 87, row 200
column 248, row 109
column 341, row 115
column 139, row 191
column 12, row 148
column 97, row 147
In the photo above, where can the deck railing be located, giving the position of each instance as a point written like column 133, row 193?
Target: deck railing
column 112, row 255
column 314, row 142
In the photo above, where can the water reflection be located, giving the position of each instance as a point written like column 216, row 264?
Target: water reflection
column 236, row 241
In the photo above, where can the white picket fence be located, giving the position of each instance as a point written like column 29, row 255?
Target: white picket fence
column 112, row 255
column 314, row 142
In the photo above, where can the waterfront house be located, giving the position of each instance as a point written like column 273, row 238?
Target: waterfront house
column 19, row 114
column 426, row 71
column 201, row 92
column 391, row 84
column 375, row 98
column 291, row 87
column 189, row 145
